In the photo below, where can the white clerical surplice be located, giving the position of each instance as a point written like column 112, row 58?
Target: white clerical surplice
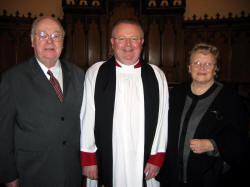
column 128, row 124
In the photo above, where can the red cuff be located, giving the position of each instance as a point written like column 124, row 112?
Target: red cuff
column 88, row 159
column 157, row 159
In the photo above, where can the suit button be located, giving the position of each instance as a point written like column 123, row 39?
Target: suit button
column 62, row 118
column 64, row 142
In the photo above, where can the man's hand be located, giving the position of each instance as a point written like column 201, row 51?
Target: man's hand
column 12, row 184
column 151, row 171
column 199, row 146
column 90, row 171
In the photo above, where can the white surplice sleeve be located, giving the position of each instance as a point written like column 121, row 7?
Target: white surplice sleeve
column 160, row 139
column 87, row 114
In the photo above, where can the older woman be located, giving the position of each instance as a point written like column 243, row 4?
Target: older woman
column 208, row 124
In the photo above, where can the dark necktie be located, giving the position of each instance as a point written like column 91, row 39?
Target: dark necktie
column 56, row 85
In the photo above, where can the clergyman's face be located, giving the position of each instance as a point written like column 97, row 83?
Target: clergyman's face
column 127, row 42
column 47, row 50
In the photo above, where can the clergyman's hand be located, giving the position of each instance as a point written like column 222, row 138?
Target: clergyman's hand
column 90, row 171
column 151, row 171
column 12, row 183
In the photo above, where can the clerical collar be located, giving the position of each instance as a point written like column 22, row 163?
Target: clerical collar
column 136, row 65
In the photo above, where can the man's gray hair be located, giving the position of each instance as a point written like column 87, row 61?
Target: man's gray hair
column 36, row 21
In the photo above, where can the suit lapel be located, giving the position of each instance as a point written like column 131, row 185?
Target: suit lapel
column 38, row 75
column 66, row 78
column 41, row 80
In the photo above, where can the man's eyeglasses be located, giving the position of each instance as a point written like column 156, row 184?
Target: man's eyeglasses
column 124, row 39
column 198, row 64
column 54, row 36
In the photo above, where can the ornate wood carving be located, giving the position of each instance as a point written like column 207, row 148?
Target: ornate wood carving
column 230, row 35
column 15, row 39
column 168, row 37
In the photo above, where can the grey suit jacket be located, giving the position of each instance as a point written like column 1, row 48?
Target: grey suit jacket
column 39, row 136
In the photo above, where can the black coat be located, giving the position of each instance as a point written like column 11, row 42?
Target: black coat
column 39, row 136
column 228, row 127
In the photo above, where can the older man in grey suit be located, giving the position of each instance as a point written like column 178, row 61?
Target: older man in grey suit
column 40, row 102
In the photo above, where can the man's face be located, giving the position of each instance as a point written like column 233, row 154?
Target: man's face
column 47, row 50
column 127, row 43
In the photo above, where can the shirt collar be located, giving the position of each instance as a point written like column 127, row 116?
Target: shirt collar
column 137, row 64
column 55, row 69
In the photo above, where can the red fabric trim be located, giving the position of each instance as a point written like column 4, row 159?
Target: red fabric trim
column 88, row 159
column 157, row 159
column 118, row 65
column 138, row 65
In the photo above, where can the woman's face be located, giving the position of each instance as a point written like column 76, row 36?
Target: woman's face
column 202, row 68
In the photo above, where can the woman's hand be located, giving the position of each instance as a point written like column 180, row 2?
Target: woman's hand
column 199, row 146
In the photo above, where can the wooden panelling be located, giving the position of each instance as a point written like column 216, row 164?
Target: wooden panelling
column 154, row 44
column 15, row 45
column 231, row 36
column 168, row 37
column 240, row 69
column 79, row 49
column 94, row 43
column 7, row 49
